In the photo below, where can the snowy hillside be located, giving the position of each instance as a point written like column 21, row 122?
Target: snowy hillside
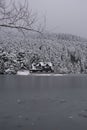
column 68, row 53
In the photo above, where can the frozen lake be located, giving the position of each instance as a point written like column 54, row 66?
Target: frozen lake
column 43, row 102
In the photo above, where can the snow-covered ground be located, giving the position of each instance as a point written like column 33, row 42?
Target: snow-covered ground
column 48, row 74
column 23, row 72
column 26, row 72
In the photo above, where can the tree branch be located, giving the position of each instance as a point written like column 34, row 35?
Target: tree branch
column 19, row 27
column 17, row 16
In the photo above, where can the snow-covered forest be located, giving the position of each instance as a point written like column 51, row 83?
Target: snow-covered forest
column 23, row 42
column 68, row 53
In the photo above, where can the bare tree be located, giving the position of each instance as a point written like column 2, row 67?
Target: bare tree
column 18, row 16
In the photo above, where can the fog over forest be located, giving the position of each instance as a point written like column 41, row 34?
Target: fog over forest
column 62, row 16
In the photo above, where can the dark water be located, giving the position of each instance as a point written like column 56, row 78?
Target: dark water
column 43, row 103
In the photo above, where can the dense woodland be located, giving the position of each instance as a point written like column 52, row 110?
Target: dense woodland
column 68, row 53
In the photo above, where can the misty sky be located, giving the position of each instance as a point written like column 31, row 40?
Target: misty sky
column 65, row 16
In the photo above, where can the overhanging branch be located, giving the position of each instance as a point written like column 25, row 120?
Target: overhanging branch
column 19, row 27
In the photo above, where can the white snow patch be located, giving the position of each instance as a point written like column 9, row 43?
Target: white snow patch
column 23, row 72
column 48, row 74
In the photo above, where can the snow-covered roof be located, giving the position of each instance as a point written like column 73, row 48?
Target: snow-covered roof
column 49, row 63
column 42, row 63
